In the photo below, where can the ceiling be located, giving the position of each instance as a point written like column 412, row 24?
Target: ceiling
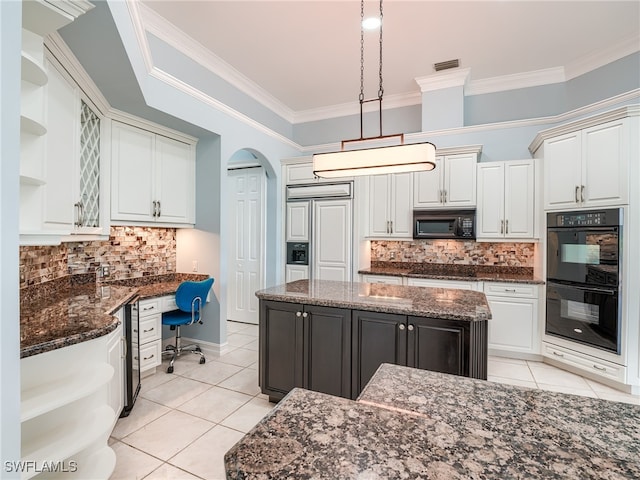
column 306, row 54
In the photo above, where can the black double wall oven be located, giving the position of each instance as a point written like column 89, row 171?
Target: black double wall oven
column 584, row 249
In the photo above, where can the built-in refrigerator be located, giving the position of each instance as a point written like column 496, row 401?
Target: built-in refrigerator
column 319, row 232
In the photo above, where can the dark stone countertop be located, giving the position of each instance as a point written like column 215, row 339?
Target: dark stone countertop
column 451, row 304
column 74, row 309
column 469, row 273
column 412, row 424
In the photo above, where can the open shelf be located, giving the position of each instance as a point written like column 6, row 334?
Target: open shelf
column 77, row 433
column 34, row 181
column 64, row 390
column 32, row 71
column 29, row 125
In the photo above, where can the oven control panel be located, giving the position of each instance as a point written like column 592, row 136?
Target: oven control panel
column 608, row 217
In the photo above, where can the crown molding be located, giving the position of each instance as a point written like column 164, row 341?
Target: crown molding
column 449, row 78
column 535, row 78
column 602, row 57
column 170, row 34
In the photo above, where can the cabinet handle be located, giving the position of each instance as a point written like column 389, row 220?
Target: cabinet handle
column 582, row 193
column 501, row 226
column 506, row 226
column 445, row 196
column 81, row 219
column 410, row 328
column 147, row 331
column 148, row 358
column 124, row 347
column 510, row 290
column 298, row 314
column 155, row 208
column 577, row 190
column 159, row 209
column 558, row 354
column 391, row 228
column 602, row 369
column 151, row 307
column 401, row 326
column 305, row 315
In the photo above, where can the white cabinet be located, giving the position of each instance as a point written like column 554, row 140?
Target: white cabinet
column 332, row 240
column 584, row 364
column 587, row 168
column 299, row 171
column 390, row 210
column 297, row 219
column 385, row 279
column 149, row 333
column 514, row 328
column 296, row 272
column 435, row 283
column 451, row 184
column 116, row 358
column 506, row 200
column 152, row 177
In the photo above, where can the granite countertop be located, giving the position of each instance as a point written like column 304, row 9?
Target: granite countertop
column 452, row 304
column 74, row 309
column 410, row 423
column 467, row 273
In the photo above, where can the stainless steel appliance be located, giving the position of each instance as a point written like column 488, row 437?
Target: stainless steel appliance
column 132, row 357
column 451, row 224
column 583, row 277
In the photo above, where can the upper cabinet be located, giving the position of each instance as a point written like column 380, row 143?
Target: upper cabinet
column 587, row 167
column 390, row 212
column 506, row 200
column 299, row 170
column 152, row 178
column 451, row 184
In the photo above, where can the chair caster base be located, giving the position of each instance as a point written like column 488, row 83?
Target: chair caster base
column 202, row 360
column 170, row 369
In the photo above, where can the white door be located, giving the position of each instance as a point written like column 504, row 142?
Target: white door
column 427, row 186
column 297, row 222
column 460, row 180
column 175, row 182
column 246, row 223
column 379, row 195
column 490, row 200
column 519, row 199
column 562, row 171
column 400, row 207
column 332, row 240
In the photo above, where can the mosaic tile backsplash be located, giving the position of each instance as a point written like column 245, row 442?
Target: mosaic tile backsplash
column 130, row 252
column 454, row 252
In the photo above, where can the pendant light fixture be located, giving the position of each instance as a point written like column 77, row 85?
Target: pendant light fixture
column 374, row 160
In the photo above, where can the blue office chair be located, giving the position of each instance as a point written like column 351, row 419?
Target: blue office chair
column 190, row 298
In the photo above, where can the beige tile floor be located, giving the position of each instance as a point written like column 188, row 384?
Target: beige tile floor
column 182, row 424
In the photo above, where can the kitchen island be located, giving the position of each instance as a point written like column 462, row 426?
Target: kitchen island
column 331, row 337
column 411, row 423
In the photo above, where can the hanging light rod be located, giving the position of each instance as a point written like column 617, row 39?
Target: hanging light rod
column 374, row 160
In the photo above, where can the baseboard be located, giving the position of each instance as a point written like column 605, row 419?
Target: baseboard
column 494, row 352
column 208, row 348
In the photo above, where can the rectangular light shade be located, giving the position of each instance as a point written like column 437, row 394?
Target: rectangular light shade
column 414, row 157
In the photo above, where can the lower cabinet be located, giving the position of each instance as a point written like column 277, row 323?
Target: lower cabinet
column 304, row 346
column 447, row 346
column 336, row 351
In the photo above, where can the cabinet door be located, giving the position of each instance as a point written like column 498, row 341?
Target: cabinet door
column 519, row 197
column 428, row 282
column 385, row 279
column 562, row 171
column 62, row 153
column 300, row 173
column 460, row 180
column 514, row 324
column 377, row 338
column 281, row 348
column 438, row 345
column 132, row 174
column 490, row 212
column 115, row 357
column 296, row 272
column 604, row 171
column 427, row 186
column 400, row 208
column 175, row 181
column 297, row 229
column 332, row 230
column 327, row 350
column 379, row 195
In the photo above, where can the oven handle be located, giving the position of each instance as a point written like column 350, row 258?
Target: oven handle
column 606, row 291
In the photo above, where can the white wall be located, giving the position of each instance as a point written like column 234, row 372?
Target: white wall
column 10, row 41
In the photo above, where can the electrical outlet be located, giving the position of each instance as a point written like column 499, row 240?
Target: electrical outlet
column 106, row 271
column 194, row 265
column 392, row 255
column 501, row 258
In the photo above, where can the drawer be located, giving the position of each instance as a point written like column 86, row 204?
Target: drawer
column 435, row 283
column 590, row 364
column 522, row 290
column 382, row 279
column 149, row 307
column 150, row 329
column 150, row 355
column 169, row 303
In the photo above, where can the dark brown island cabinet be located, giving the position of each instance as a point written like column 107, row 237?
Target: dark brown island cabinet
column 337, row 350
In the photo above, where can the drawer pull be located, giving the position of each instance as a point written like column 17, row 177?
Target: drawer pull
column 150, row 330
column 401, row 326
column 298, row 314
column 513, row 290
column 148, row 308
column 148, row 358
column 602, row 369
column 558, row 354
column 410, row 328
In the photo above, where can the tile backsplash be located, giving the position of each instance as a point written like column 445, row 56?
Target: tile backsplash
column 130, row 252
column 458, row 252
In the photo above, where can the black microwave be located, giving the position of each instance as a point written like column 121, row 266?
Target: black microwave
column 451, row 224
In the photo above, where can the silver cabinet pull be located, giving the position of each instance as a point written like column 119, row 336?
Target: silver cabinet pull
column 305, row 315
column 501, row 226
column 602, row 369
column 298, row 314
column 159, row 209
column 441, row 201
column 147, row 331
column 510, row 290
column 401, row 326
column 391, row 228
column 151, row 307
column 576, row 195
column 582, row 193
column 155, row 208
column 506, row 226
column 445, row 196
column 148, row 358
column 410, row 328
column 558, row 354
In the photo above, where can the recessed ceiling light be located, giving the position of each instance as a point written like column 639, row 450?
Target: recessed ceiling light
column 371, row 23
